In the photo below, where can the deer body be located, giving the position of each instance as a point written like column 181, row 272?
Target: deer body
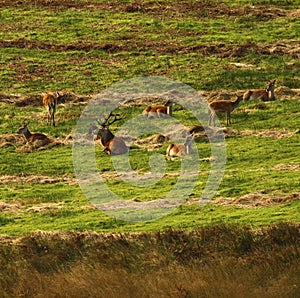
column 174, row 150
column 50, row 103
column 226, row 106
column 158, row 111
column 112, row 145
column 264, row 95
column 33, row 137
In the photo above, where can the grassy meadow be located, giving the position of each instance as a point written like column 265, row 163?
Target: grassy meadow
column 82, row 47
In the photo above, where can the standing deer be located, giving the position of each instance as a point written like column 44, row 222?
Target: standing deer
column 33, row 137
column 261, row 93
column 112, row 145
column 174, row 150
column 223, row 106
column 159, row 111
column 50, row 102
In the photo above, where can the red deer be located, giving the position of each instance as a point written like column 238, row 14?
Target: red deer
column 112, row 145
column 223, row 106
column 264, row 95
column 50, row 102
column 159, row 111
column 33, row 137
column 174, row 150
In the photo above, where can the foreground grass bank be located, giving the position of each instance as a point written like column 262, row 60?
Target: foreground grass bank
column 220, row 261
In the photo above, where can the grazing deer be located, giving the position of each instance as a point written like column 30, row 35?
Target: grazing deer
column 223, row 106
column 174, row 150
column 50, row 103
column 33, row 137
column 159, row 111
column 261, row 93
column 112, row 145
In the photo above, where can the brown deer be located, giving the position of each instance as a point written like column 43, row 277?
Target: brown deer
column 265, row 95
column 33, row 137
column 223, row 106
column 159, row 111
column 112, row 145
column 50, row 102
column 174, row 150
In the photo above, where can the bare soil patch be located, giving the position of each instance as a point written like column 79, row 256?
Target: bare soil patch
column 163, row 8
column 11, row 139
column 21, row 145
column 266, row 133
column 18, row 208
column 257, row 200
column 290, row 48
column 40, row 179
column 8, row 207
column 45, row 206
column 21, row 100
column 281, row 93
column 151, row 142
column 292, row 166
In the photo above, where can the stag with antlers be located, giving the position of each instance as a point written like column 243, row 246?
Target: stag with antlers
column 112, row 145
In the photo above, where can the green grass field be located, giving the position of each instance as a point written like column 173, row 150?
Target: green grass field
column 84, row 47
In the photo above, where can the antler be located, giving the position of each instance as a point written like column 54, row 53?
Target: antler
column 117, row 117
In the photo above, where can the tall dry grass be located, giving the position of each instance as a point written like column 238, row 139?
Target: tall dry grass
column 220, row 261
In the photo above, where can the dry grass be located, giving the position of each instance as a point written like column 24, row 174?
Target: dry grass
column 219, row 261
column 255, row 200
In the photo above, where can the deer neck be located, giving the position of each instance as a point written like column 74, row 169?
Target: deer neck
column 188, row 149
column 169, row 110
column 27, row 134
column 272, row 97
column 105, row 135
column 236, row 102
column 188, row 145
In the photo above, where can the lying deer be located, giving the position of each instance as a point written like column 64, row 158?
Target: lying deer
column 264, row 95
column 33, row 137
column 50, row 102
column 159, row 111
column 112, row 145
column 174, row 150
column 223, row 106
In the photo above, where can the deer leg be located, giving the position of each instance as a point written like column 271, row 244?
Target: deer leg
column 53, row 114
column 214, row 118
column 53, row 122
column 49, row 116
column 210, row 118
column 227, row 118
column 52, row 118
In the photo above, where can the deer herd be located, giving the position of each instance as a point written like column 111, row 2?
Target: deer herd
column 116, row 146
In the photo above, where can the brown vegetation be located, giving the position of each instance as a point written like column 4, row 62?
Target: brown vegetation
column 218, row 261
column 255, row 200
column 290, row 48
column 72, row 99
column 199, row 8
